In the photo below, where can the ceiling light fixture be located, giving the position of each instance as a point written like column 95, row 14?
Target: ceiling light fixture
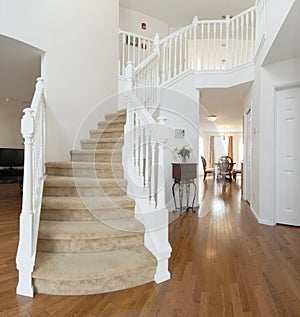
column 212, row 117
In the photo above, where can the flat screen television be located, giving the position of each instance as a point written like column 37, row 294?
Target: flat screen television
column 11, row 157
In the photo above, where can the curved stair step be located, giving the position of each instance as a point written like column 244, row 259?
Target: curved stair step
column 85, row 169
column 89, row 236
column 102, row 155
column 92, row 273
column 81, row 186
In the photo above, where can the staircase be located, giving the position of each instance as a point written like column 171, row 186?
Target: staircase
column 89, row 240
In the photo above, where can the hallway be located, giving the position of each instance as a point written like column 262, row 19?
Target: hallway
column 223, row 264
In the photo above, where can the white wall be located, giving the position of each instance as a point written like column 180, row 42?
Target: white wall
column 180, row 105
column 272, row 76
column 131, row 20
column 10, row 118
column 276, row 12
column 81, row 43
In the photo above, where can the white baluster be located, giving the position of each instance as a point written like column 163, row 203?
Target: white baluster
column 190, row 50
column 221, row 46
column 185, row 50
column 242, row 40
column 215, row 46
column 147, row 158
column 252, row 36
column 123, row 54
column 141, row 166
column 247, row 37
column 170, row 59
column 128, row 47
column 139, row 51
column 208, row 45
column 237, row 42
column 180, row 53
column 137, row 137
column 161, row 198
column 163, row 75
column 202, row 46
column 133, row 50
column 227, row 57
column 175, row 56
column 195, row 24
column 153, row 179
column 232, row 42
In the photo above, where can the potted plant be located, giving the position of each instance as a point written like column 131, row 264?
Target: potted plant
column 183, row 152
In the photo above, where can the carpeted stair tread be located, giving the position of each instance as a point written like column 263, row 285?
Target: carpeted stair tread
column 88, row 165
column 89, row 229
column 69, row 181
column 53, row 202
column 72, row 266
column 103, row 140
column 97, row 151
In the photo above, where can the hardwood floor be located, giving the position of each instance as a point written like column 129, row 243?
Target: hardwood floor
column 223, row 264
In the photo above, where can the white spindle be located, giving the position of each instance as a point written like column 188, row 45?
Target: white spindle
column 190, row 49
column 128, row 48
column 185, row 50
column 141, row 146
column 164, row 49
column 147, row 159
column 215, row 46
column 195, row 24
column 232, row 43
column 247, row 37
column 252, row 35
column 208, row 45
column 175, row 56
column 237, row 43
column 123, row 54
column 153, row 179
column 221, row 46
column 180, row 53
column 170, row 59
column 227, row 57
column 202, row 46
column 133, row 51
column 242, row 40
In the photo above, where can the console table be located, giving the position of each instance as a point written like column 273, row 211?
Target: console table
column 184, row 174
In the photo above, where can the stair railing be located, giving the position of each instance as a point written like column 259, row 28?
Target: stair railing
column 134, row 48
column 213, row 45
column 143, row 157
column 33, row 131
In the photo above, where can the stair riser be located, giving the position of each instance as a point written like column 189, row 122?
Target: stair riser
column 111, row 126
column 101, row 145
column 107, row 158
column 95, row 286
column 105, row 173
column 90, row 245
column 80, row 192
column 110, row 117
column 106, row 134
column 67, row 215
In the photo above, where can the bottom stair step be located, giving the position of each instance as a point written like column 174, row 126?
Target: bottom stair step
column 92, row 273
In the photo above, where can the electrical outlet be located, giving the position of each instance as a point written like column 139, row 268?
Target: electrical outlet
column 179, row 133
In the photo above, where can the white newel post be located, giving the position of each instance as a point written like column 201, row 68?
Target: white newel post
column 25, row 253
column 156, row 238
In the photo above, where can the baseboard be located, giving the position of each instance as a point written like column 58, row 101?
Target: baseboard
column 266, row 223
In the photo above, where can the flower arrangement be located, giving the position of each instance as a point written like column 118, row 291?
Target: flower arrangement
column 184, row 151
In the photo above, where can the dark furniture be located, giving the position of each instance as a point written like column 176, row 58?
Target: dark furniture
column 184, row 174
column 209, row 170
column 11, row 166
column 224, row 168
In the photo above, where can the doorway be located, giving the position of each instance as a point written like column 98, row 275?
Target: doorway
column 288, row 156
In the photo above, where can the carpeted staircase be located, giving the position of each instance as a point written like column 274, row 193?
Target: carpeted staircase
column 89, row 240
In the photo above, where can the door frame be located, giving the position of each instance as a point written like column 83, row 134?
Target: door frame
column 275, row 148
column 246, row 190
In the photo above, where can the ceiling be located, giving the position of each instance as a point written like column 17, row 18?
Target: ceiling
column 227, row 104
column 284, row 47
column 180, row 13
column 19, row 68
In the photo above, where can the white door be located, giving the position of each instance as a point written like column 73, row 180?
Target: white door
column 288, row 156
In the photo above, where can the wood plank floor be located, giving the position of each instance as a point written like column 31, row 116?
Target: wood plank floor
column 223, row 264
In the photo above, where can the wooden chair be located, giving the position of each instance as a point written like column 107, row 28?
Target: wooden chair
column 225, row 166
column 209, row 170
